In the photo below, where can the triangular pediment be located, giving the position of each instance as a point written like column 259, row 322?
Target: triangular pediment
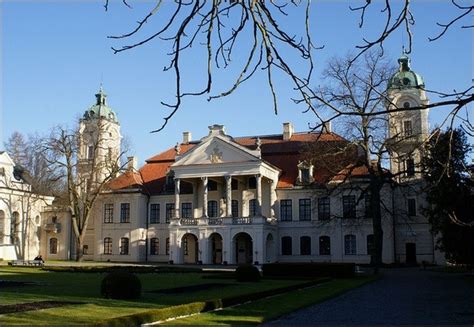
column 217, row 150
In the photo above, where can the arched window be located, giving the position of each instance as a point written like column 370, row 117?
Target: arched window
column 286, row 246
column 350, row 244
column 252, row 208
column 305, row 245
column 235, row 208
column 53, row 246
column 107, row 245
column 154, row 246
column 2, row 226
column 324, row 245
column 15, row 227
column 124, row 242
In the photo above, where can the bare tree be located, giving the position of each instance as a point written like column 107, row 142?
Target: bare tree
column 85, row 176
column 256, row 30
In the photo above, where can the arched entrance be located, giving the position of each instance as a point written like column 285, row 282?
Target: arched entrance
column 270, row 248
column 190, row 248
column 215, row 242
column 243, row 248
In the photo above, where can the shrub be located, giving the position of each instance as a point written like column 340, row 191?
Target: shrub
column 121, row 285
column 247, row 273
column 309, row 270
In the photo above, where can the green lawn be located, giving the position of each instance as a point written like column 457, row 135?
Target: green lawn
column 85, row 287
column 271, row 308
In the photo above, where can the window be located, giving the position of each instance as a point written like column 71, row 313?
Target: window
column 125, row 212
column 167, row 246
column 211, row 185
column 348, row 207
column 305, row 245
column 305, row 175
column 234, row 184
column 110, row 154
column 324, row 245
column 108, row 213
column 410, row 167
column 90, row 152
column 411, row 207
column 54, row 219
column 286, row 245
column 406, row 105
column 350, row 245
column 212, row 209
column 252, row 208
column 85, row 249
column 305, row 209
column 185, row 246
column 169, row 212
column 124, row 246
column 368, row 207
column 370, row 244
column 235, row 208
column 186, row 210
column 154, row 213
column 252, row 183
column 407, row 128
column 53, row 246
column 286, row 209
column 154, row 246
column 324, row 208
column 107, row 245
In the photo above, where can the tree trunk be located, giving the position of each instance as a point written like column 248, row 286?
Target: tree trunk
column 79, row 252
column 376, row 224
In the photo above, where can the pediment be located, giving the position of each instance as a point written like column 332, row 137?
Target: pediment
column 217, row 150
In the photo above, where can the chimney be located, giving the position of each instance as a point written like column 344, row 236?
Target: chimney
column 326, row 127
column 186, row 137
column 287, row 131
column 132, row 163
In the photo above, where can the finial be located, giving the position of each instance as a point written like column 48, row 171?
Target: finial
column 177, row 148
column 258, row 143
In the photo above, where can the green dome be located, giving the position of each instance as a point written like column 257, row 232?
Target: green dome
column 100, row 109
column 405, row 77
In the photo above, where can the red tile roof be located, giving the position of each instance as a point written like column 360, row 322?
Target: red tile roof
column 284, row 154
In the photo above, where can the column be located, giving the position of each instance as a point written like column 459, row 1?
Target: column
column 176, row 197
column 273, row 198
column 259, row 194
column 204, row 194
column 228, row 180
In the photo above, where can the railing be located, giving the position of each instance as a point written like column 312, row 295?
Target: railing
column 189, row 221
column 215, row 221
column 241, row 220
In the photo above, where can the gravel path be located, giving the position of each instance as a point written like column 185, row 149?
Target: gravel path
column 402, row 297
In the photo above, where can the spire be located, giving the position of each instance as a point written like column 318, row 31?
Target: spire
column 101, row 97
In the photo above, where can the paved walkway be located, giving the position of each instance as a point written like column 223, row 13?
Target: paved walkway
column 402, row 297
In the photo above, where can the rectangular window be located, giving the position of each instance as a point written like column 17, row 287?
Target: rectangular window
column 53, row 246
column 286, row 210
column 108, row 213
column 125, row 212
column 410, row 167
column 90, row 152
column 350, row 245
column 305, row 209
column 252, row 208
column 411, row 207
column 348, row 207
column 169, row 212
column 154, row 246
column 186, row 210
column 154, row 213
column 235, row 208
column 252, row 183
column 107, row 245
column 407, row 128
column 324, row 208
column 305, row 245
column 286, row 246
column 212, row 209
column 124, row 246
column 324, row 245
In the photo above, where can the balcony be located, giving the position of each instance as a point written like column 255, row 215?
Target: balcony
column 241, row 220
column 188, row 221
column 52, row 227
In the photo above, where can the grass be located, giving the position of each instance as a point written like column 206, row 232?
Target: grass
column 271, row 308
column 85, row 287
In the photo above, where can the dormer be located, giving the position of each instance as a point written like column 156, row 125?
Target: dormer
column 305, row 173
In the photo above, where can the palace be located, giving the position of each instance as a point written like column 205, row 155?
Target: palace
column 264, row 198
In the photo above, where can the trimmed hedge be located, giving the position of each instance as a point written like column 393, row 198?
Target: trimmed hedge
column 198, row 307
column 309, row 270
column 121, row 285
column 131, row 269
column 247, row 273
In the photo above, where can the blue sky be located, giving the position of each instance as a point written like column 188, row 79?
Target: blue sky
column 54, row 55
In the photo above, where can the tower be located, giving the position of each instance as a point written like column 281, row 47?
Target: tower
column 407, row 128
column 99, row 142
